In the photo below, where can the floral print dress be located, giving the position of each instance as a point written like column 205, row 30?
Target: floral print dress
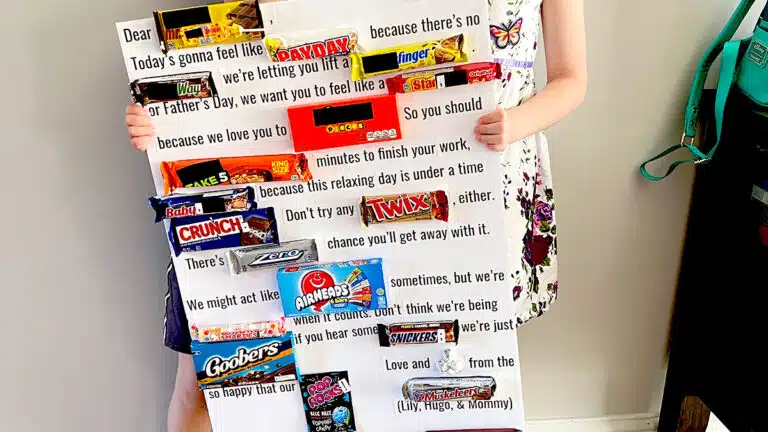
column 528, row 196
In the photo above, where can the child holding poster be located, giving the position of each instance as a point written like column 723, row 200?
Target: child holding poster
column 517, row 123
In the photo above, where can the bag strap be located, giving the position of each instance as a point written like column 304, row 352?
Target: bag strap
column 693, row 108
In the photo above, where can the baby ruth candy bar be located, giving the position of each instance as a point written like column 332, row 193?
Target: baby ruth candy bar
column 226, row 230
column 203, row 204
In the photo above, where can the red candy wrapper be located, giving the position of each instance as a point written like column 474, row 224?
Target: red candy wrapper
column 237, row 332
column 434, row 79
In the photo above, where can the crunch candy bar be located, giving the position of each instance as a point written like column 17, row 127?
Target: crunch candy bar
column 226, row 230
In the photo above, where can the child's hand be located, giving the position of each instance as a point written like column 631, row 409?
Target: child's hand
column 492, row 130
column 139, row 126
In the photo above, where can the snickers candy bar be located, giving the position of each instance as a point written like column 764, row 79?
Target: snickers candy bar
column 173, row 87
column 419, row 333
column 203, row 204
column 271, row 256
column 226, row 230
column 238, row 332
column 449, row 389
column 404, row 207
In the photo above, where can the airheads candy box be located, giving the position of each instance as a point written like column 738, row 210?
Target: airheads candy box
column 351, row 286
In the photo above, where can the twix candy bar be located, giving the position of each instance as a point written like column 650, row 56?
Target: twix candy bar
column 310, row 44
column 405, row 207
column 434, row 79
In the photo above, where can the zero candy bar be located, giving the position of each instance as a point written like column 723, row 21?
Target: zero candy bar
column 345, row 123
column 312, row 44
column 240, row 363
column 236, row 332
column 203, row 204
column 351, row 286
column 327, row 401
column 234, row 171
column 172, row 88
column 226, row 230
column 419, row 333
column 404, row 207
column 449, row 389
column 270, row 256
column 444, row 77
column 413, row 56
column 224, row 23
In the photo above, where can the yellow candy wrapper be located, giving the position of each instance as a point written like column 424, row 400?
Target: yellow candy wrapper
column 311, row 44
column 412, row 56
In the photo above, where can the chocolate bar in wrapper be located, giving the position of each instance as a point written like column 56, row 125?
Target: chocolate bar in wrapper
column 226, row 230
column 412, row 56
column 449, row 389
column 311, row 44
column 419, row 333
column 272, row 256
column 434, row 79
column 172, row 88
column 237, row 332
column 404, row 207
column 203, row 204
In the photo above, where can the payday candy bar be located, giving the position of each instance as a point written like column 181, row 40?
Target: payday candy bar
column 226, row 230
column 269, row 256
column 173, row 87
column 444, row 77
column 203, row 204
column 449, row 389
column 419, row 333
column 234, row 171
column 351, row 286
column 327, row 401
column 231, row 22
column 311, row 44
column 236, row 332
column 413, row 56
column 239, row 363
column 344, row 123
column 404, row 207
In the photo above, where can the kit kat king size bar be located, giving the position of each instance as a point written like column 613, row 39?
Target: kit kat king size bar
column 171, row 88
column 345, row 123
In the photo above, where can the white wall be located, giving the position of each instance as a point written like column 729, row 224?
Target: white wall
column 82, row 269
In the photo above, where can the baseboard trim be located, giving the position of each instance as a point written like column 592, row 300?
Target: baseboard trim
column 625, row 423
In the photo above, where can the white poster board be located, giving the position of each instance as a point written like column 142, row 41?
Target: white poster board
column 434, row 270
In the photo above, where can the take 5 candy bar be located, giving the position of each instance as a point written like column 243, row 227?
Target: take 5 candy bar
column 412, row 56
column 234, row 171
column 271, row 256
column 310, row 44
column 222, row 23
column 226, row 230
column 241, row 363
column 182, row 205
column 172, row 88
column 449, row 389
column 405, row 207
column 345, row 123
column 418, row 333
column 434, row 79
column 351, row 286
column 327, row 401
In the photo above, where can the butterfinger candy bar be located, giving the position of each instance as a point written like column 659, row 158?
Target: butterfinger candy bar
column 309, row 45
column 203, row 204
column 173, row 87
column 236, row 332
column 413, row 56
column 419, row 333
column 226, row 230
column 234, row 171
column 271, row 256
column 444, row 77
column 449, row 389
column 404, row 207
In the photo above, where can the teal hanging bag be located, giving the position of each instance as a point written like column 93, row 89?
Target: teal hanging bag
column 744, row 69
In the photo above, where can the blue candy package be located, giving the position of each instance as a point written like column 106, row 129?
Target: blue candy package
column 246, row 362
column 226, row 230
column 181, row 205
column 351, row 286
column 327, row 402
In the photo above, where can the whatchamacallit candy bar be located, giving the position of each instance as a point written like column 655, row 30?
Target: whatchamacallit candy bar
column 419, row 333
column 434, row 79
column 351, row 286
column 272, row 256
column 223, row 23
column 449, row 389
column 240, row 363
column 182, row 205
column 327, row 401
column 226, row 230
column 234, row 171
column 237, row 332
column 173, row 87
column 406, row 207
column 413, row 56
column 310, row 44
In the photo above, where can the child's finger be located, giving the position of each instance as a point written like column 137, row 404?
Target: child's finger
column 138, row 110
column 140, row 131
column 141, row 143
column 136, row 120
column 490, row 129
column 498, row 148
column 493, row 117
column 490, row 139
